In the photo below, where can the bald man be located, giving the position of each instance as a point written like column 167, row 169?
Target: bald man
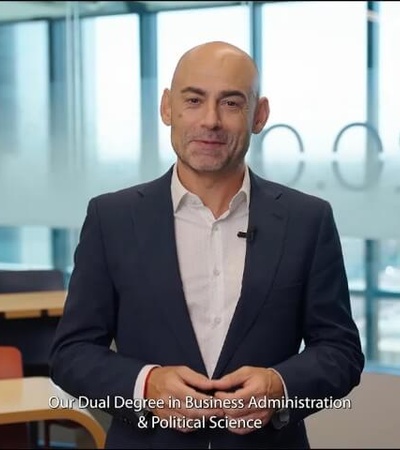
column 208, row 279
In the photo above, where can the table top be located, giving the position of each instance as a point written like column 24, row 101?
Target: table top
column 32, row 304
column 36, row 399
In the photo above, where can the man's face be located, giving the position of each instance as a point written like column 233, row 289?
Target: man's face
column 211, row 109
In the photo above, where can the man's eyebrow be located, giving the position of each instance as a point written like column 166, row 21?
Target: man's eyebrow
column 193, row 90
column 233, row 93
column 222, row 94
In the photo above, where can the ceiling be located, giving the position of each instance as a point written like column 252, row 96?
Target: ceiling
column 17, row 11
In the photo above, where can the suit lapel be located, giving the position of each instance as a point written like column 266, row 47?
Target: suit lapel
column 154, row 227
column 268, row 218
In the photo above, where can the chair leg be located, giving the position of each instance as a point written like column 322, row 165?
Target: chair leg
column 34, row 434
column 47, row 434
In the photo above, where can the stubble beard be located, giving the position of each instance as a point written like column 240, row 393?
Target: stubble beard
column 219, row 166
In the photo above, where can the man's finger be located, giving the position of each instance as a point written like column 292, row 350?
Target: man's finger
column 196, row 380
column 231, row 381
column 196, row 404
column 243, row 393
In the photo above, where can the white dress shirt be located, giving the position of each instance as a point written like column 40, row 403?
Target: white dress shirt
column 211, row 261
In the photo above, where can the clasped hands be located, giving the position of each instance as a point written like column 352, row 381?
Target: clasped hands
column 242, row 385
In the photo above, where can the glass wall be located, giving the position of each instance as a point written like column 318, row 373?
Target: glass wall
column 111, row 75
column 80, row 86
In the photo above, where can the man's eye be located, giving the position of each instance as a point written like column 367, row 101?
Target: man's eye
column 193, row 100
column 231, row 103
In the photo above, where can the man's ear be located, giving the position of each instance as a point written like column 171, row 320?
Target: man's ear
column 165, row 107
column 261, row 115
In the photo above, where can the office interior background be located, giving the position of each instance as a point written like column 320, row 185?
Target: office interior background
column 80, row 84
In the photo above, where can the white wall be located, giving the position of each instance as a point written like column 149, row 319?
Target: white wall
column 373, row 421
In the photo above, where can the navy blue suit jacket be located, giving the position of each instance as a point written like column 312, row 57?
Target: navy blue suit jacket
column 126, row 286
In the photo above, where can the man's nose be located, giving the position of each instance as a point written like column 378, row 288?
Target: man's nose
column 211, row 117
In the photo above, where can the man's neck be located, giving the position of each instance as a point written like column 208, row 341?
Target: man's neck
column 215, row 190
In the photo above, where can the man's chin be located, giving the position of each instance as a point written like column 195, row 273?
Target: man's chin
column 207, row 168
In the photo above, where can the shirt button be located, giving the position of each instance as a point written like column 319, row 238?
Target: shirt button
column 216, row 272
column 217, row 321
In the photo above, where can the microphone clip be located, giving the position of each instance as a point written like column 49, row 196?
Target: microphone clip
column 249, row 235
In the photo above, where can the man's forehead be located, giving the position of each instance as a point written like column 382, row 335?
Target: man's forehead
column 208, row 81
column 229, row 63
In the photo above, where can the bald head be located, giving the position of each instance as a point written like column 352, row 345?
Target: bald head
column 218, row 57
column 213, row 107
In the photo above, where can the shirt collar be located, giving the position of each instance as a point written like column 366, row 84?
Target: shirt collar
column 179, row 192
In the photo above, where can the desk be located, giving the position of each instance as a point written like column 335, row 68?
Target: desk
column 28, row 321
column 27, row 400
column 32, row 304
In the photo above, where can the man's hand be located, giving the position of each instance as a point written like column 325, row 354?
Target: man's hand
column 249, row 383
column 172, row 384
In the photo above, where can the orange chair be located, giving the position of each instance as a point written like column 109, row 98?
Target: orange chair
column 12, row 435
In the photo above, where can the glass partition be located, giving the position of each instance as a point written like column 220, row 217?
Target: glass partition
column 80, row 85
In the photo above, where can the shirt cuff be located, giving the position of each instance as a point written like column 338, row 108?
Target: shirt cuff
column 138, row 391
column 281, row 416
column 283, row 383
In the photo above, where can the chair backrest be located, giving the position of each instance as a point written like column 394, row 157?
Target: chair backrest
column 30, row 280
column 10, row 362
column 12, row 435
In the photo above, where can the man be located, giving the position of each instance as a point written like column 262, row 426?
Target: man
column 208, row 279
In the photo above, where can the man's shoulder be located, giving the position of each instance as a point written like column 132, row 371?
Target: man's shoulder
column 133, row 193
column 289, row 195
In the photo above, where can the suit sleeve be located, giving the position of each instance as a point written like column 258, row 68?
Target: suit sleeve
column 332, row 361
column 81, row 361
